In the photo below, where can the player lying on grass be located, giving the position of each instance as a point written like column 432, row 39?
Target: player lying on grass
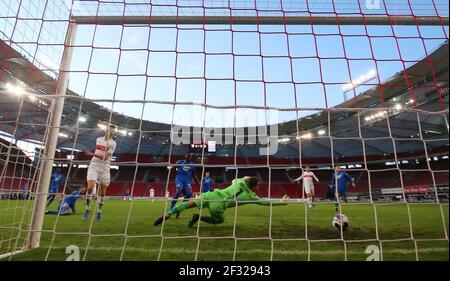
column 340, row 178
column 242, row 191
column 68, row 203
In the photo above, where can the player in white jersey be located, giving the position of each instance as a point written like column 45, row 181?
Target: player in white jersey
column 308, row 178
column 152, row 194
column 99, row 170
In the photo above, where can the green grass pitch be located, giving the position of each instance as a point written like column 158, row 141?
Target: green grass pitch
column 281, row 238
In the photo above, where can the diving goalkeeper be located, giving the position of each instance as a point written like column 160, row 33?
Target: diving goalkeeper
column 241, row 192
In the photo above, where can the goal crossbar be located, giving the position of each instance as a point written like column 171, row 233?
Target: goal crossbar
column 263, row 20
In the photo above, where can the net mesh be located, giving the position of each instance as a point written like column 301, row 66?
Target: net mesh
column 372, row 98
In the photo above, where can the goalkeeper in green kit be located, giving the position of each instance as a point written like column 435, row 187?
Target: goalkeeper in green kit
column 241, row 192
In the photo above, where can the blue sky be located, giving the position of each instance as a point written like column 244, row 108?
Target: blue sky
column 211, row 54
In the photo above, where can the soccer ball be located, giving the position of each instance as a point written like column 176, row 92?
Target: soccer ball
column 341, row 221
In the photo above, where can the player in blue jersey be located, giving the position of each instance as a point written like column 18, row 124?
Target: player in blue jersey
column 341, row 178
column 127, row 195
column 56, row 181
column 24, row 192
column 68, row 203
column 206, row 183
column 184, row 175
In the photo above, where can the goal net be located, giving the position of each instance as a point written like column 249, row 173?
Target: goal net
column 354, row 91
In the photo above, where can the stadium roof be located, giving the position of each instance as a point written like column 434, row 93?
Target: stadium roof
column 419, row 90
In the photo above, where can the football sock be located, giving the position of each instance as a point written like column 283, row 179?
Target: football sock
column 179, row 208
column 101, row 202
column 50, row 199
column 88, row 203
column 175, row 200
